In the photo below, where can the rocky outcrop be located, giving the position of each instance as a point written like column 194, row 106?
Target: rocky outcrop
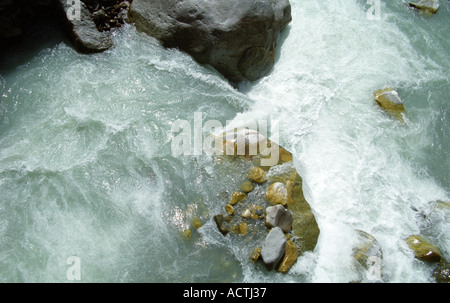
column 236, row 37
column 289, row 212
column 389, row 100
column 82, row 30
column 429, row 6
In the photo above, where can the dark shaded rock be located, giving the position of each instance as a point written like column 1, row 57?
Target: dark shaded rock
column 219, row 219
column 236, row 37
column 290, row 257
column 82, row 30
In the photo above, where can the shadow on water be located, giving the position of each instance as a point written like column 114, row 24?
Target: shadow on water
column 43, row 30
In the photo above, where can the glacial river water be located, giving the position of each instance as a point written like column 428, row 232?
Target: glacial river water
column 87, row 172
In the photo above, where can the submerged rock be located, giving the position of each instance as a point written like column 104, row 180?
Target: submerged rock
column 429, row 6
column 442, row 273
column 236, row 37
column 273, row 248
column 369, row 256
column 82, row 30
column 389, row 100
column 423, row 249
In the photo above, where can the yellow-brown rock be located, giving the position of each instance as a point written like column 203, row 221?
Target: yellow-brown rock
column 290, row 257
column 255, row 255
column 257, row 174
column 243, row 228
column 389, row 100
column 247, row 186
column 423, row 249
column 277, row 193
column 236, row 197
column 229, row 209
column 187, row 233
column 196, row 223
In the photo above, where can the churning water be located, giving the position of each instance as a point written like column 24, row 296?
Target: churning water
column 87, row 170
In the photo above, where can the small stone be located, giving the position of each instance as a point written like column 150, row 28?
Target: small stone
column 257, row 175
column 219, row 219
column 243, row 228
column 442, row 273
column 255, row 255
column 247, row 186
column 279, row 216
column 273, row 248
column 246, row 214
column 236, row 197
column 229, row 209
column 389, row 100
column 290, row 257
column 277, row 193
column 196, row 223
column 187, row 233
column 423, row 249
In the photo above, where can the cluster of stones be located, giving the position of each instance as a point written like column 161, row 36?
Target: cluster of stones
column 108, row 14
column 279, row 219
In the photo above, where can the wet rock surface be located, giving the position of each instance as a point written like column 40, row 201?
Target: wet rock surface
column 255, row 216
column 236, row 37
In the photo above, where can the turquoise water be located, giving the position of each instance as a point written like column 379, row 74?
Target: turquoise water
column 87, row 170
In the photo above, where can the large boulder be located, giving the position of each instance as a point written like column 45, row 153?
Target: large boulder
column 82, row 30
column 236, row 37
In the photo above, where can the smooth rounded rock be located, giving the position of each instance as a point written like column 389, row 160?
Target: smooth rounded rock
column 273, row 248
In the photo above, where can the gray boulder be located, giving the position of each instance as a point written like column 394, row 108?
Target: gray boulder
column 273, row 248
column 279, row 216
column 82, row 30
column 236, row 37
